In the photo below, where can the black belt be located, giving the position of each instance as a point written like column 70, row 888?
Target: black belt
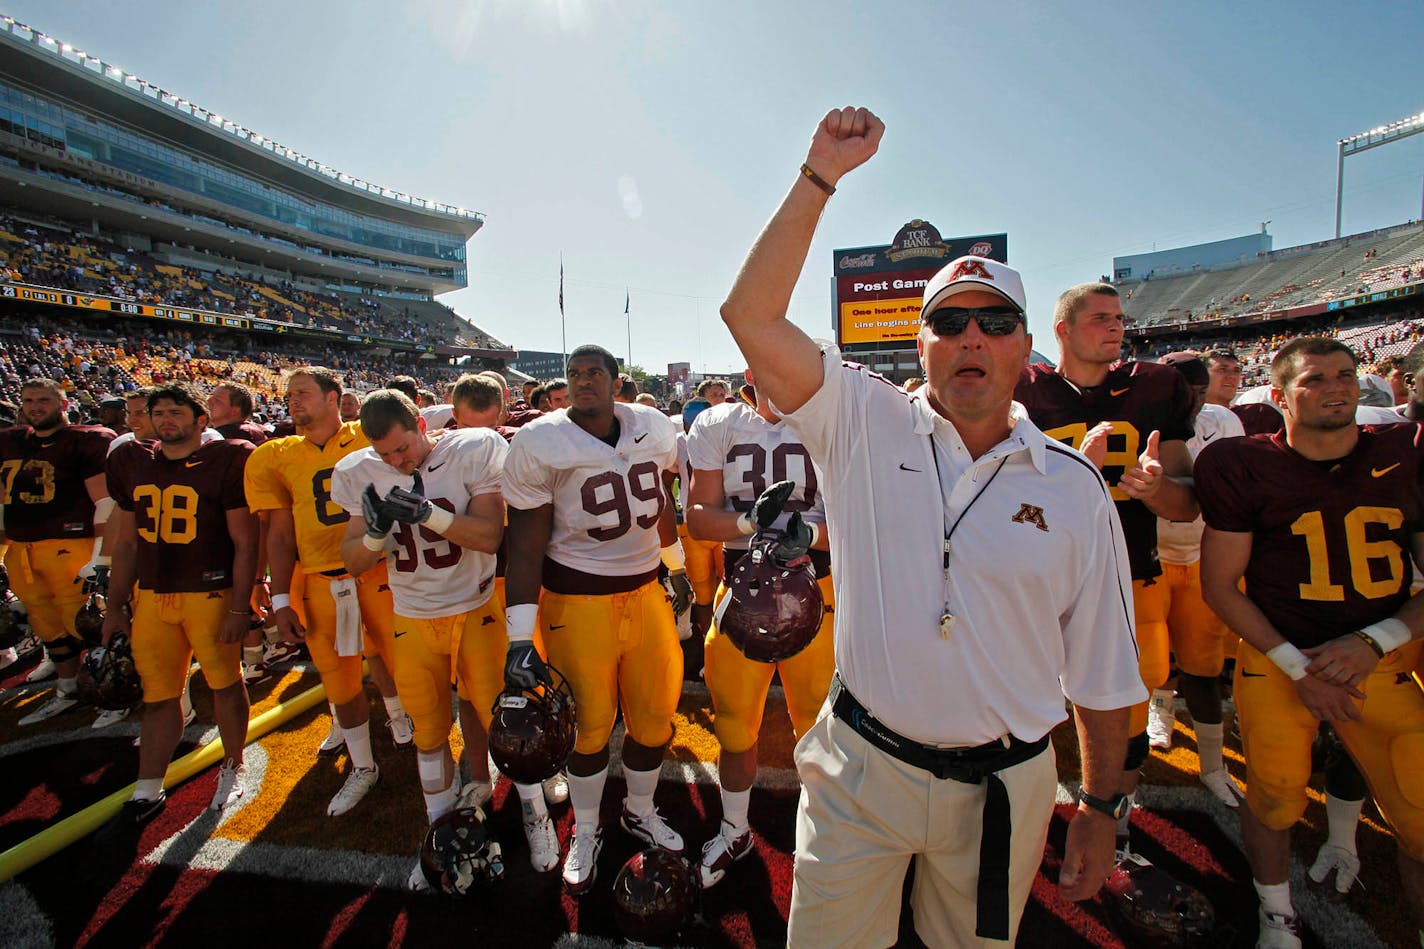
column 976, row 765
column 335, row 574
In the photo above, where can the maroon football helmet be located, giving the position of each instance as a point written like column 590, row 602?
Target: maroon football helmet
column 772, row 610
column 108, row 677
column 654, row 894
column 458, row 853
column 89, row 621
column 1149, row 908
column 532, row 732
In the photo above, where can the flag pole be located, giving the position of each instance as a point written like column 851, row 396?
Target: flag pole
column 563, row 330
column 628, row 319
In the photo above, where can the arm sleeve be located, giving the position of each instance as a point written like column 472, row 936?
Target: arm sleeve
column 116, row 474
column 1224, row 499
column 265, row 488
column 1100, row 667
column 234, row 495
column 485, row 474
column 526, row 480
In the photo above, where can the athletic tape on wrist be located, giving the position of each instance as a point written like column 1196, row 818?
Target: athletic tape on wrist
column 519, row 621
column 1390, row 633
column 281, row 601
column 674, row 558
column 440, row 520
column 746, row 525
column 1289, row 660
column 375, row 544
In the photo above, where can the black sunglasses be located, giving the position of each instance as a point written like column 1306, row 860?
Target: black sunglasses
column 992, row 320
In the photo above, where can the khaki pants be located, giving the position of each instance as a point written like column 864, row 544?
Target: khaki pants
column 864, row 814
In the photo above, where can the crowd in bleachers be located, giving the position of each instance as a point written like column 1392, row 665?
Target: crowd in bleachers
column 1292, row 277
column 53, row 255
column 93, row 360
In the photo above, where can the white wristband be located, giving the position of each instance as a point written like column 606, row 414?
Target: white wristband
column 674, row 558
column 101, row 560
column 1289, row 660
column 519, row 621
column 103, row 508
column 746, row 525
column 374, row 544
column 1390, row 633
column 281, row 601
column 440, row 520
column 815, row 532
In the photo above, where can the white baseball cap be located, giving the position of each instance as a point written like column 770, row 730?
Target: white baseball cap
column 974, row 273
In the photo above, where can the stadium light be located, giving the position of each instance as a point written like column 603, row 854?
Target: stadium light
column 1364, row 141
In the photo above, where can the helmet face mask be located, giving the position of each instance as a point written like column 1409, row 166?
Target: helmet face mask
column 458, row 853
column 89, row 621
column 654, row 896
column 532, row 732
column 108, row 677
column 772, row 610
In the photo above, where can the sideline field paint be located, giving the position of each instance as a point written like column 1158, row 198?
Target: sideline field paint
column 53, row 839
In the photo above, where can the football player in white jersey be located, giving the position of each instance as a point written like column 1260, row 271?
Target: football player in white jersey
column 433, row 508
column 588, row 516
column 736, row 452
column 1198, row 637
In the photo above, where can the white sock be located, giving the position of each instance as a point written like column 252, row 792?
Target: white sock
column 1209, row 744
column 147, row 789
column 358, row 745
column 68, row 687
column 734, row 807
column 1342, row 817
column 532, row 797
column 641, row 786
column 251, row 655
column 586, row 796
column 185, row 701
column 1275, row 898
column 440, row 803
column 394, row 708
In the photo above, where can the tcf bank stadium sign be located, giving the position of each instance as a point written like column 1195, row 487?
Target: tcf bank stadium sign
column 878, row 289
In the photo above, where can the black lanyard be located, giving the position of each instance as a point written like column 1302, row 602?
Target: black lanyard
column 939, row 480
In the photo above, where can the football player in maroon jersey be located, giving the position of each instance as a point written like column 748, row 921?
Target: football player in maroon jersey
column 1133, row 420
column 55, row 505
column 185, row 536
column 1321, row 520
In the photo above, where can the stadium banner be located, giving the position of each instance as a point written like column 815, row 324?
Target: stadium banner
column 876, row 291
column 85, row 301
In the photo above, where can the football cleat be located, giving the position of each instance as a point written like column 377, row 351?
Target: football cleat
column 1148, row 906
column 772, row 610
column 281, row 651
column 543, row 841
column 45, row 670
column 333, row 742
column 1161, row 719
column 556, row 789
column 458, row 853
column 358, row 784
column 8, row 657
column 59, row 703
column 254, row 673
column 475, row 794
column 124, row 826
column 532, row 731
column 654, row 895
column 231, row 785
column 1334, row 872
column 402, row 731
column 722, row 851
column 1277, row 931
column 1221, row 784
column 652, row 830
column 581, row 862
column 111, row 716
column 417, row 883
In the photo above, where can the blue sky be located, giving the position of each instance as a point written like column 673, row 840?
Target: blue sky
column 648, row 142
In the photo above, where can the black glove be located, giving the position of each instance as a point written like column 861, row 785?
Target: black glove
column 408, row 506
column 523, row 669
column 98, row 583
column 679, row 590
column 378, row 521
column 795, row 540
column 767, row 508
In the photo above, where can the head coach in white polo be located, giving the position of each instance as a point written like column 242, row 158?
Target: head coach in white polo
column 981, row 576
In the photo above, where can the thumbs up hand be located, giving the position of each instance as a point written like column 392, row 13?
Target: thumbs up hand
column 1143, row 481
